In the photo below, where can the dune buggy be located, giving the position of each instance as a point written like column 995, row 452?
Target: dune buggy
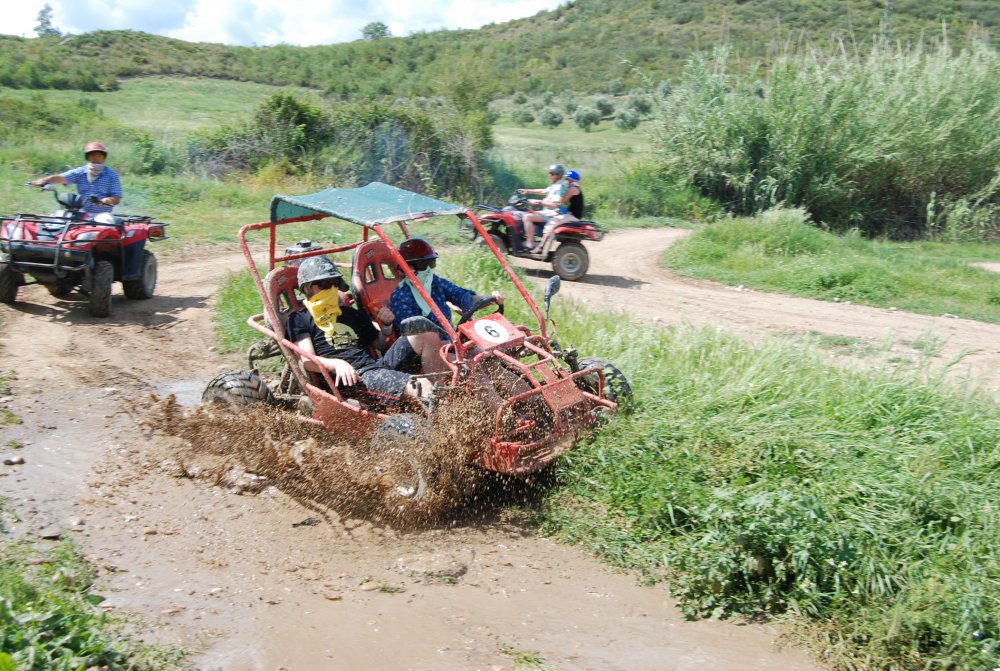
column 68, row 250
column 556, row 395
column 561, row 245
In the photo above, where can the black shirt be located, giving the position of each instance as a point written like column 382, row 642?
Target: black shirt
column 575, row 205
column 355, row 333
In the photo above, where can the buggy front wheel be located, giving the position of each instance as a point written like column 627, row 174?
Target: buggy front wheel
column 393, row 459
column 616, row 386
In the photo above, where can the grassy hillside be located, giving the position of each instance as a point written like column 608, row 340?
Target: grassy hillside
column 584, row 45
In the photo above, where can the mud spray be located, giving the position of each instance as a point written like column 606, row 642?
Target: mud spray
column 250, row 449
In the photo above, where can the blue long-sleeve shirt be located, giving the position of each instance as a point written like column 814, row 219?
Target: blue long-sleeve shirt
column 404, row 305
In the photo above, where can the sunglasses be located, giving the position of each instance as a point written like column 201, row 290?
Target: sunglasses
column 423, row 264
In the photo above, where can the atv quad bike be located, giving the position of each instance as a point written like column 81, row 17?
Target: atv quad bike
column 555, row 395
column 68, row 250
column 561, row 245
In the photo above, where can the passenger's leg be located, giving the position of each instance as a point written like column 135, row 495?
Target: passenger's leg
column 529, row 228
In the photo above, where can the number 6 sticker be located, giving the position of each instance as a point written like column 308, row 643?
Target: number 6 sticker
column 491, row 331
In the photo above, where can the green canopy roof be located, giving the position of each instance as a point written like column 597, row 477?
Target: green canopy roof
column 376, row 203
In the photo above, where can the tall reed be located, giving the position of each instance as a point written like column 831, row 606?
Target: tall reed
column 897, row 142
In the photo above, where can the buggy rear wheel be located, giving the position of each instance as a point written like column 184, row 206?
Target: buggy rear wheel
column 571, row 260
column 393, row 459
column 101, row 282
column 616, row 386
column 237, row 388
column 144, row 286
column 10, row 280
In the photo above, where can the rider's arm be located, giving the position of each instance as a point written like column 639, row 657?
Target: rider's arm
column 344, row 374
column 385, row 320
column 114, row 195
column 462, row 298
column 51, row 179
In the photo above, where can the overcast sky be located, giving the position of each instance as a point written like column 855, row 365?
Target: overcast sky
column 264, row 22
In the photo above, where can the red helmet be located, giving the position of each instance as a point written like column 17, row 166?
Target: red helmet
column 417, row 249
column 95, row 146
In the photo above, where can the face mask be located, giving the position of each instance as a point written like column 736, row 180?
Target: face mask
column 324, row 307
column 425, row 276
column 95, row 168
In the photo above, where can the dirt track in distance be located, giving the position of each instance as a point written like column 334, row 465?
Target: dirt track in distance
column 251, row 581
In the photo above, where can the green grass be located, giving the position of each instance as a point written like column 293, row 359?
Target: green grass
column 598, row 155
column 170, row 107
column 777, row 251
column 763, row 480
column 524, row 659
column 50, row 616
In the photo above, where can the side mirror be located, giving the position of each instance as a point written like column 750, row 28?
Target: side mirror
column 551, row 289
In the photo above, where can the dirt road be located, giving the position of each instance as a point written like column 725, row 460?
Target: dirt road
column 263, row 581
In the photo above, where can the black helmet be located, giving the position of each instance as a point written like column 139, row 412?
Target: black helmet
column 557, row 169
column 317, row 269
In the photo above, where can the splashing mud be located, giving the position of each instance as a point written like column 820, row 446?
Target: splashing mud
column 253, row 448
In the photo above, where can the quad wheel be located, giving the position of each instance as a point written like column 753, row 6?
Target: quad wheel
column 616, row 386
column 571, row 260
column 237, row 388
column 101, row 282
column 497, row 240
column 144, row 286
column 9, row 282
column 393, row 459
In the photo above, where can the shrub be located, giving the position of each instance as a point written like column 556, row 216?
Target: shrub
column 550, row 118
column 604, row 106
column 627, row 119
column 641, row 104
column 522, row 117
column 587, row 117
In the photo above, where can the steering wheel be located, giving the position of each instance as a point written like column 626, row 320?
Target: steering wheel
column 479, row 305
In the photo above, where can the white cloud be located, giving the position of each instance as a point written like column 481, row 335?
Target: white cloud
column 266, row 22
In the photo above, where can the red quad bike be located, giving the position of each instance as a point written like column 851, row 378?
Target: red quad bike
column 69, row 250
column 562, row 245
column 555, row 395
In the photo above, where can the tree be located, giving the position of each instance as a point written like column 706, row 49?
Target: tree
column 641, row 104
column 44, row 27
column 604, row 106
column 375, row 30
column 627, row 119
column 550, row 118
column 587, row 117
column 522, row 117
